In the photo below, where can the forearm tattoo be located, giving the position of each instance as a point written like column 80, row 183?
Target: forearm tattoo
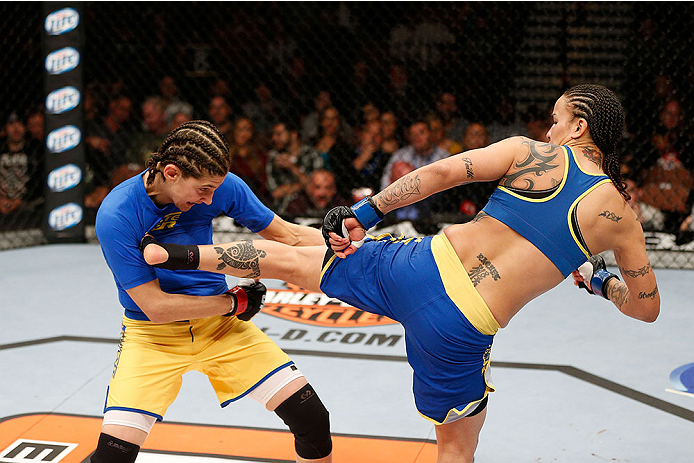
column 593, row 155
column 618, row 293
column 401, row 190
column 610, row 216
column 650, row 295
column 645, row 270
column 468, row 168
column 483, row 270
column 242, row 255
column 537, row 163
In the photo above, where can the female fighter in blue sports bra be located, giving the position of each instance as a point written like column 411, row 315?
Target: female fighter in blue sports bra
column 557, row 206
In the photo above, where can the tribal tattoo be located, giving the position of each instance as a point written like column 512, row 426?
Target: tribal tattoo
column 536, row 163
column 468, row 168
column 400, row 190
column 242, row 255
column 483, row 270
column 610, row 216
column 617, row 292
column 650, row 295
column 646, row 269
column 593, row 155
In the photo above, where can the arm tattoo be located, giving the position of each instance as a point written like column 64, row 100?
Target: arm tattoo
column 610, row 216
column 483, row 270
column 646, row 269
column 535, row 163
column 618, row 293
column 401, row 190
column 593, row 154
column 468, row 168
column 650, row 295
column 241, row 255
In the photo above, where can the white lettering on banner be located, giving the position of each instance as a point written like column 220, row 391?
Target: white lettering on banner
column 62, row 100
column 25, row 450
column 63, row 139
column 62, row 60
column 61, row 21
column 64, row 177
column 65, row 216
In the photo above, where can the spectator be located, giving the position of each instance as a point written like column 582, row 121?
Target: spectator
column 420, row 152
column 537, row 122
column 248, row 159
column 319, row 196
column 336, row 151
column 153, row 134
column 108, row 141
column 651, row 218
column 21, row 173
column 290, row 161
column 179, row 119
column 370, row 160
column 668, row 183
column 219, row 111
column 447, row 110
column 438, row 135
column 35, row 126
column 506, row 123
column 470, row 199
column 392, row 140
column 168, row 89
column 263, row 110
column 311, row 124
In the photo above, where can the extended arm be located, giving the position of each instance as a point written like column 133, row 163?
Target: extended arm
column 290, row 233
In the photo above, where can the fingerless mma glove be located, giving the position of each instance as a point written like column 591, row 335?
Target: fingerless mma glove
column 248, row 297
column 594, row 270
column 365, row 211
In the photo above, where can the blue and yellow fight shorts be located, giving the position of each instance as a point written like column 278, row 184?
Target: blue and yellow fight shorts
column 421, row 283
column 235, row 355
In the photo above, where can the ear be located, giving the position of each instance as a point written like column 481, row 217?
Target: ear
column 580, row 127
column 171, row 172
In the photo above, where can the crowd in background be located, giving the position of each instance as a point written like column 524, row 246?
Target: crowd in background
column 312, row 124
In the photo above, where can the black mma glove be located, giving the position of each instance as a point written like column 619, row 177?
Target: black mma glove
column 595, row 271
column 248, row 298
column 181, row 257
column 365, row 211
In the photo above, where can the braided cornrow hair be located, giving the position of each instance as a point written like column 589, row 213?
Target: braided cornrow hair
column 605, row 116
column 195, row 147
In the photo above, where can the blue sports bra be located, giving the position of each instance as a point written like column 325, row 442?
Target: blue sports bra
column 548, row 218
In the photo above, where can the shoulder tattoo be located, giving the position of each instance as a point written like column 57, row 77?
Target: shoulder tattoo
column 610, row 216
column 241, row 255
column 541, row 159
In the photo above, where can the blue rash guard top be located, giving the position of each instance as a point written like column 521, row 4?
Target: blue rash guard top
column 548, row 218
column 127, row 213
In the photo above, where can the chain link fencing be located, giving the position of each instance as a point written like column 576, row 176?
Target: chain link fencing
column 315, row 97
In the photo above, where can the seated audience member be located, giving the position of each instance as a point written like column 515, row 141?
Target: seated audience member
column 651, row 218
column 35, row 125
column 370, row 159
column 289, row 164
column 537, row 123
column 507, row 123
column 311, row 123
column 248, row 159
column 154, row 131
column 336, row 150
column 447, row 109
column 439, row 138
column 389, row 131
column 168, row 91
column 319, row 196
column 263, row 109
column 179, row 119
column 219, row 111
column 21, row 175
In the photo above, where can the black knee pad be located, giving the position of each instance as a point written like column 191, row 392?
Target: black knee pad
column 309, row 421
column 113, row 450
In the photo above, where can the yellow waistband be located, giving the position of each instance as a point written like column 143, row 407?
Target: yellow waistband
column 459, row 287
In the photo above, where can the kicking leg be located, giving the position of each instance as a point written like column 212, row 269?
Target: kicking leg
column 300, row 265
column 457, row 441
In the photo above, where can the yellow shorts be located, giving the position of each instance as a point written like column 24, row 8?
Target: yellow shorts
column 152, row 357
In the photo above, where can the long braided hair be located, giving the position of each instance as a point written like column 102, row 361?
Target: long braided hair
column 605, row 116
column 195, row 147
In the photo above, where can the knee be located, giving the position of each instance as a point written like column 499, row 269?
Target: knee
column 113, row 450
column 309, row 421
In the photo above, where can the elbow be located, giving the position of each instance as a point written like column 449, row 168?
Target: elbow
column 156, row 312
column 648, row 314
